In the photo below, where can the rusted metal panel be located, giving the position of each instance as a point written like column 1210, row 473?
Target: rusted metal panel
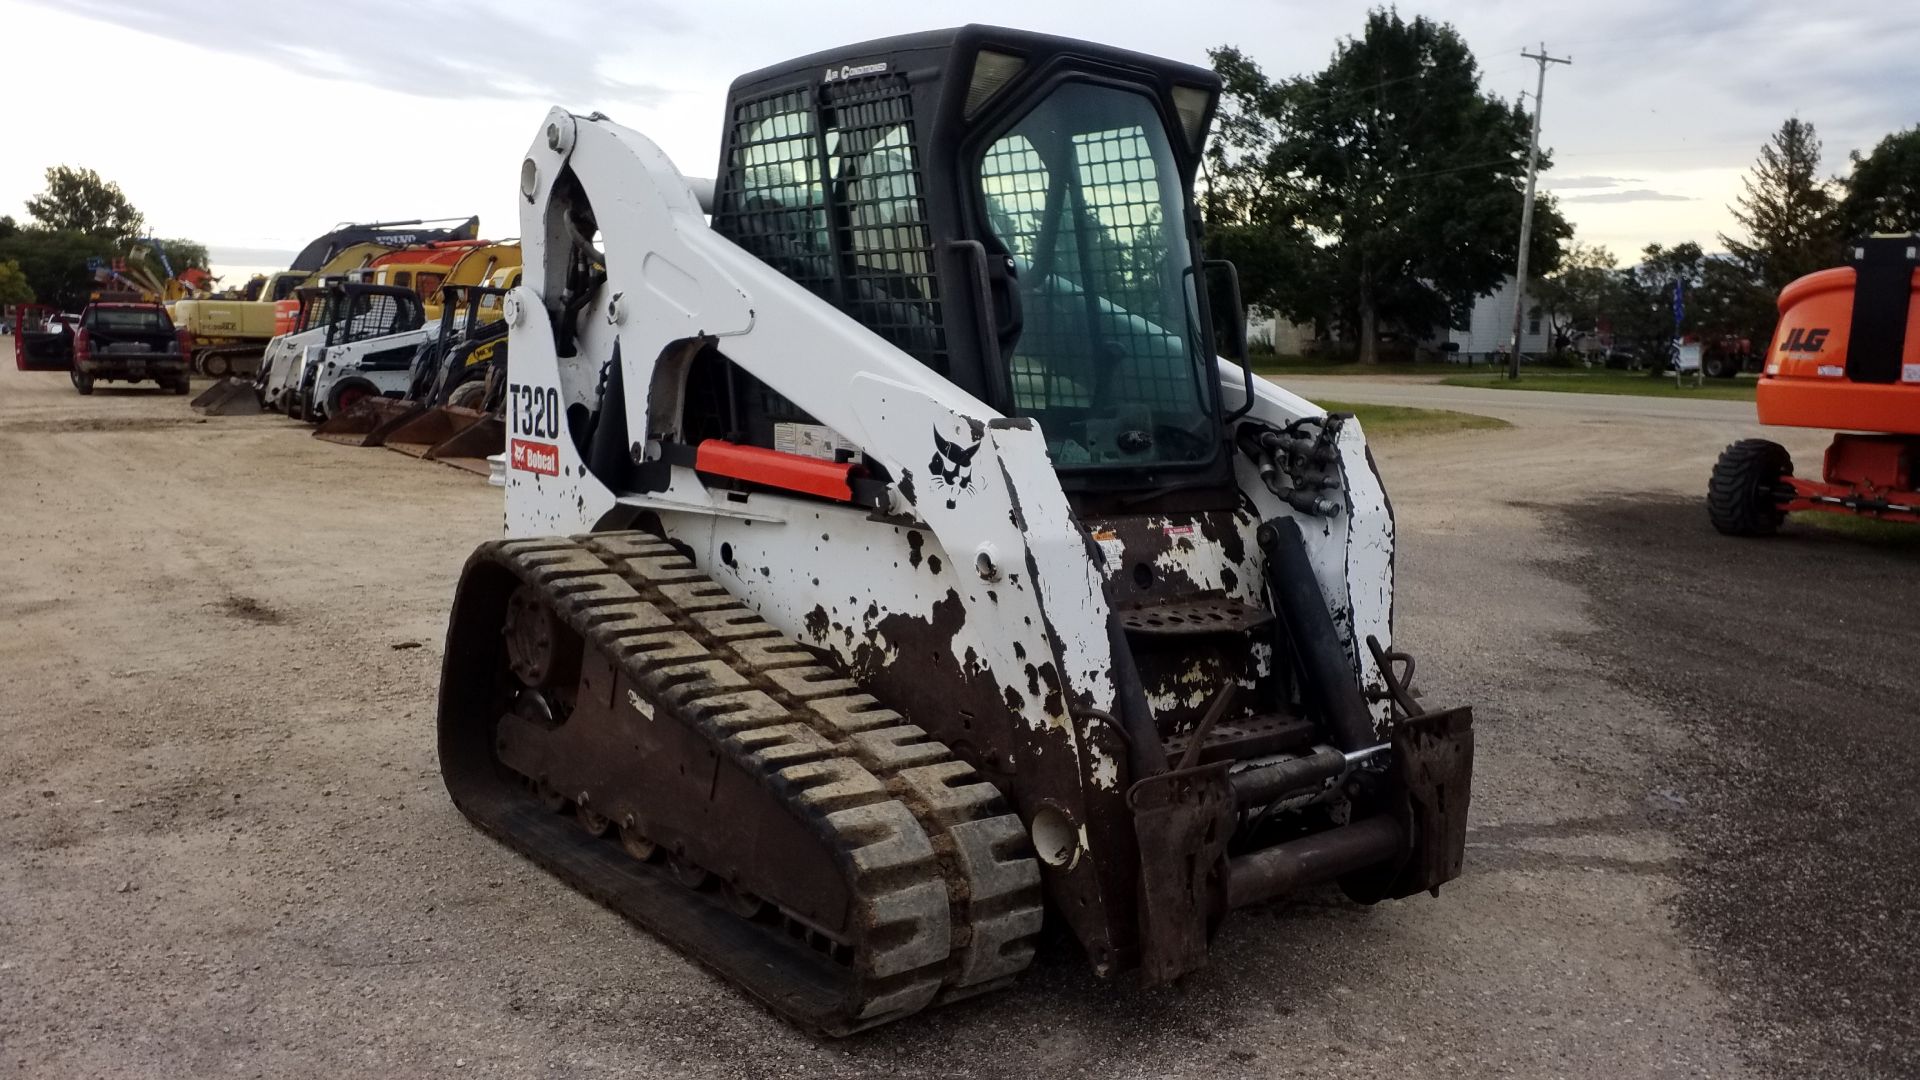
column 1323, row 856
column 1183, row 820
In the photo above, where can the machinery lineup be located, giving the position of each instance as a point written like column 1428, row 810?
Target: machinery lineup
column 899, row 553
column 408, row 352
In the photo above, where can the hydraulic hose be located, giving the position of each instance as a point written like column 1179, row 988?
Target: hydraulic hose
column 1328, row 678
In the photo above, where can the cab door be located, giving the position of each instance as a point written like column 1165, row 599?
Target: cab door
column 35, row 349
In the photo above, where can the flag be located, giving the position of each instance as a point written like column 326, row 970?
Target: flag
column 1679, row 303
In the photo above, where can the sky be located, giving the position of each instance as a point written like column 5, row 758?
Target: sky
column 255, row 126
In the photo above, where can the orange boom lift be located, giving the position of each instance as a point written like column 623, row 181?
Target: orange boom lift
column 1845, row 356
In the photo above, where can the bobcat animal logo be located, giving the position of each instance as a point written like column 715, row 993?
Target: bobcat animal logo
column 952, row 464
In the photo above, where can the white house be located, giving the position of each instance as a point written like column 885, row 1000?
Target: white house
column 1283, row 336
column 1490, row 327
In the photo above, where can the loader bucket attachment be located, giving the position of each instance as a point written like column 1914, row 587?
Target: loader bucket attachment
column 421, row 434
column 228, row 397
column 367, row 422
column 470, row 447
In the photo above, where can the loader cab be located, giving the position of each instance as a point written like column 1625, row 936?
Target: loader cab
column 1016, row 212
column 356, row 312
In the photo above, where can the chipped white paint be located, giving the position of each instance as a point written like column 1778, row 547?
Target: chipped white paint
column 640, row 705
column 676, row 279
column 1106, row 769
column 1352, row 551
column 832, row 575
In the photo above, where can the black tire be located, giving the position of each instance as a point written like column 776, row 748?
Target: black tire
column 1743, row 497
column 1720, row 366
column 471, row 394
column 180, row 385
column 81, row 381
column 345, row 394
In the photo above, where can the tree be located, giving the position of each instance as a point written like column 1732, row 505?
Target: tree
column 13, row 285
column 1386, row 190
column 149, row 263
column 78, row 200
column 1719, row 300
column 1642, row 317
column 1883, row 193
column 1729, row 303
column 1578, row 296
column 56, row 263
column 1787, row 212
column 180, row 253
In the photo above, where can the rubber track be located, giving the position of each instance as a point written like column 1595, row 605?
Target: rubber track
column 948, row 890
column 992, row 879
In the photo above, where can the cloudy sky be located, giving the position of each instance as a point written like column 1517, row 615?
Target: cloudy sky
column 255, row 125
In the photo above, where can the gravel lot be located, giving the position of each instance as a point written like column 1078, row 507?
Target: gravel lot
column 224, row 849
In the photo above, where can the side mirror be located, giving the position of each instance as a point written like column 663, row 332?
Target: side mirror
column 1230, row 316
column 1229, row 310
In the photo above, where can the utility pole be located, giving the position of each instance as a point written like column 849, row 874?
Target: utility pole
column 1526, row 211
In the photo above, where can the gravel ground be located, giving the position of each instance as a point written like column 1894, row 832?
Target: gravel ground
column 224, row 849
column 1792, row 662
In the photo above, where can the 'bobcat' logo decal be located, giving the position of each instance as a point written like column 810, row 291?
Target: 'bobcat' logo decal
column 952, row 464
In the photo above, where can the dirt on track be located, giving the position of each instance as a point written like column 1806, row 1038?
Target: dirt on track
column 224, row 848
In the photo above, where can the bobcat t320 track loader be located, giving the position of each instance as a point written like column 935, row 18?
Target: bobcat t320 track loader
column 891, row 559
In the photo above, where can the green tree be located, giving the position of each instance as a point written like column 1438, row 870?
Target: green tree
column 1248, row 219
column 1385, row 190
column 1642, row 316
column 1720, row 299
column 55, row 263
column 181, row 253
column 148, row 262
column 13, row 285
column 1788, row 212
column 78, row 200
column 1576, row 298
column 1883, row 192
column 1729, row 303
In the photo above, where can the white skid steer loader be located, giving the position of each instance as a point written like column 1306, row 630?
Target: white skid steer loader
column 891, row 559
column 372, row 334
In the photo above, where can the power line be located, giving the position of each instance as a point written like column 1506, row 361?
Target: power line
column 1526, row 210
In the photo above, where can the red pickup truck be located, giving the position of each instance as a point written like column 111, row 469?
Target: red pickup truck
column 129, row 342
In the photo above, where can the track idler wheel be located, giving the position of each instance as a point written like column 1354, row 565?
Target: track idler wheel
column 636, row 843
column 537, row 645
column 595, row 824
column 744, row 904
column 687, row 872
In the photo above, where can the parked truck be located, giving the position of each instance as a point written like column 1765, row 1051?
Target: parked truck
column 126, row 341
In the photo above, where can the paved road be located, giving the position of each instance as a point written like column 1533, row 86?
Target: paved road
column 224, row 848
column 1514, row 404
